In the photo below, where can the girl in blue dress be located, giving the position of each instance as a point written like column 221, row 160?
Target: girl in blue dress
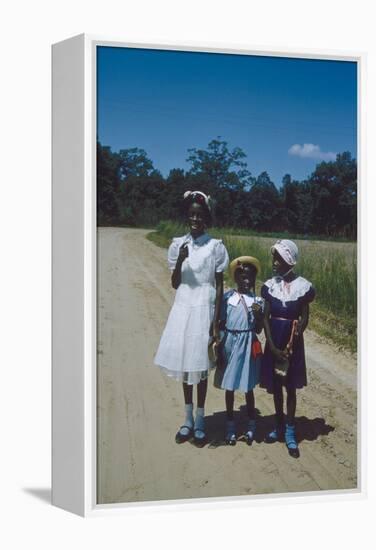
column 241, row 318
column 287, row 297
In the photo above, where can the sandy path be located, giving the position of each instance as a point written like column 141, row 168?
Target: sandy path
column 139, row 409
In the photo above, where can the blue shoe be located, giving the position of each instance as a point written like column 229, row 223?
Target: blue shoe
column 291, row 443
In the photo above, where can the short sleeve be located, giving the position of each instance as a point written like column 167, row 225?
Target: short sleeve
column 265, row 293
column 173, row 253
column 221, row 257
column 309, row 296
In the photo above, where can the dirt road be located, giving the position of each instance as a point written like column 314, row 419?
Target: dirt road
column 139, row 409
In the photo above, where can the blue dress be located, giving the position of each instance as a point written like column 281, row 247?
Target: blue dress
column 241, row 370
column 286, row 300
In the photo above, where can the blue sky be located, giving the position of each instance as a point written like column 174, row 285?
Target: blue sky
column 286, row 114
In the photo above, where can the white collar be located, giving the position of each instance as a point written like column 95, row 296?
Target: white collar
column 234, row 299
column 202, row 239
column 287, row 291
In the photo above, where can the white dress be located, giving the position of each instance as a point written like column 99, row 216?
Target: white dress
column 183, row 349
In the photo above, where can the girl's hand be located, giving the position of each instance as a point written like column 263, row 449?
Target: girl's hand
column 257, row 310
column 299, row 329
column 216, row 334
column 183, row 252
column 279, row 354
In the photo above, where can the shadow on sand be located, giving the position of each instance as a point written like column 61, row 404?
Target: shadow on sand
column 308, row 429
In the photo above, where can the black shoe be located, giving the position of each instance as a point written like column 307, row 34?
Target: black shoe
column 199, row 441
column 182, row 438
column 249, row 435
column 275, row 435
column 248, row 438
column 230, row 441
column 294, row 452
column 230, row 437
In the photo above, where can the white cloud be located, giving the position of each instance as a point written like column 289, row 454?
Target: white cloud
column 310, row 151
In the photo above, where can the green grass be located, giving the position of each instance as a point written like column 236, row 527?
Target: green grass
column 333, row 274
column 283, row 235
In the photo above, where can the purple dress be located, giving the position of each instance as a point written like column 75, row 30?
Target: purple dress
column 286, row 300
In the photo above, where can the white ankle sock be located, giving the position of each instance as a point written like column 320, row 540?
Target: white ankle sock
column 188, row 419
column 199, row 421
column 189, row 415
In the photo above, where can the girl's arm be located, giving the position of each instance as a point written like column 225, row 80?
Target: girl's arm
column 176, row 274
column 304, row 312
column 218, row 302
column 259, row 317
column 259, row 325
column 303, row 320
column 275, row 351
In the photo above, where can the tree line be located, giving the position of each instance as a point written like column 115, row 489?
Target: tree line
column 131, row 191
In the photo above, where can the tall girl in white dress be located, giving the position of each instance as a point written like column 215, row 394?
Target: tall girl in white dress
column 197, row 262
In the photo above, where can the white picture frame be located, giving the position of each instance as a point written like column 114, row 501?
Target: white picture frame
column 74, row 448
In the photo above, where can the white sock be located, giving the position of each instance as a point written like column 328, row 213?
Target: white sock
column 188, row 419
column 189, row 415
column 199, row 421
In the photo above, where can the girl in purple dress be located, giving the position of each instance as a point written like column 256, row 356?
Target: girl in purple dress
column 287, row 297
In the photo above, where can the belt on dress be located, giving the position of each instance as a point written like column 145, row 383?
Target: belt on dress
column 283, row 319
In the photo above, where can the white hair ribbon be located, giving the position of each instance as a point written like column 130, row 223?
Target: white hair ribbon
column 207, row 198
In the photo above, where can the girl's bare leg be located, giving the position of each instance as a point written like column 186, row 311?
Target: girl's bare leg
column 250, row 400
column 185, row 431
column 277, row 431
column 229, row 397
column 291, row 406
column 251, row 428
column 188, row 393
column 278, row 398
column 202, row 388
column 230, row 437
column 199, row 425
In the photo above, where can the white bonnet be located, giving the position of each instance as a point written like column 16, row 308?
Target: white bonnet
column 287, row 250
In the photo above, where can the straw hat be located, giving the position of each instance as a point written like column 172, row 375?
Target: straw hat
column 248, row 260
